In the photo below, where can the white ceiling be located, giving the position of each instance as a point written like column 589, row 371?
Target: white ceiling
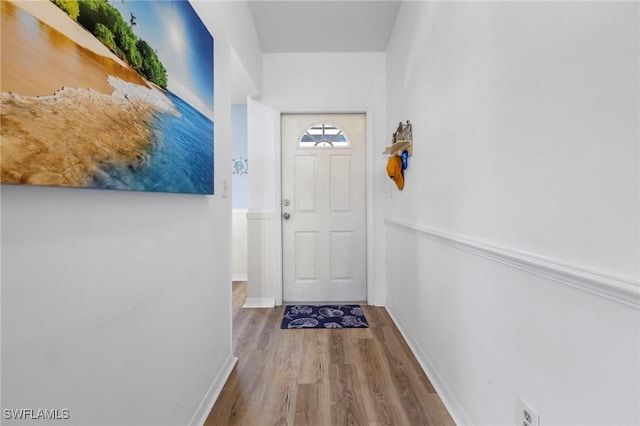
column 324, row 26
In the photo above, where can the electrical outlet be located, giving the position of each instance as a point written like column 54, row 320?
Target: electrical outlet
column 527, row 416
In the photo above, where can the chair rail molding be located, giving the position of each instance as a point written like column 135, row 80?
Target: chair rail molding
column 613, row 288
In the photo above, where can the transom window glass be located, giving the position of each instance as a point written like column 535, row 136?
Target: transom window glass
column 323, row 135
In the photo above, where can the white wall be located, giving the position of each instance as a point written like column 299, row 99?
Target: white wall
column 263, row 124
column 327, row 82
column 513, row 249
column 116, row 305
column 239, row 150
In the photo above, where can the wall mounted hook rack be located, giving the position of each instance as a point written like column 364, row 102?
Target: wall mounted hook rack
column 402, row 140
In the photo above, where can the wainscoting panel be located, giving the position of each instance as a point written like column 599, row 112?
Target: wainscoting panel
column 261, row 259
column 491, row 325
column 239, row 244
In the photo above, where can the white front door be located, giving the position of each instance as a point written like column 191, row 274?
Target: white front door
column 324, row 208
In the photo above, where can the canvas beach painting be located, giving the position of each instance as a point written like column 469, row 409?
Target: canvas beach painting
column 109, row 94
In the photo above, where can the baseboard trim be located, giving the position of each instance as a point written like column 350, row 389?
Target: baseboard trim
column 448, row 398
column 205, row 407
column 613, row 288
column 239, row 277
column 260, row 302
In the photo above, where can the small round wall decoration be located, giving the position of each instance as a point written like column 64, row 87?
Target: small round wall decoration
column 240, row 166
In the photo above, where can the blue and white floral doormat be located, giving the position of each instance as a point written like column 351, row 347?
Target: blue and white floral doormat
column 327, row 316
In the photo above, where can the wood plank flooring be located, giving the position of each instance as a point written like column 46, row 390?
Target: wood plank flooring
column 323, row 377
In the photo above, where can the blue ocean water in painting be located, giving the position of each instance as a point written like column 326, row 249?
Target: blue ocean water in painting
column 180, row 161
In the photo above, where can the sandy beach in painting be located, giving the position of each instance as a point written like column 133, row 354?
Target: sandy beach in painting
column 69, row 105
column 43, row 49
column 41, row 145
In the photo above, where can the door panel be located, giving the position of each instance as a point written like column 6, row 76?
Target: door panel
column 305, row 184
column 341, row 255
column 306, row 253
column 341, row 175
column 323, row 191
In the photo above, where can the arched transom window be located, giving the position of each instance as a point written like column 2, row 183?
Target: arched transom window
column 323, row 135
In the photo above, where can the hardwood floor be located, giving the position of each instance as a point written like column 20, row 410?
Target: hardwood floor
column 323, row 377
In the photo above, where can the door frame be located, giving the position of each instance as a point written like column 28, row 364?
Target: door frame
column 369, row 180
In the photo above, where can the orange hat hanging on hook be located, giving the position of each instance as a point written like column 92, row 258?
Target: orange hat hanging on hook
column 394, row 170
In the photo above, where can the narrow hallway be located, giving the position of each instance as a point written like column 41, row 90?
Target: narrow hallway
column 323, row 377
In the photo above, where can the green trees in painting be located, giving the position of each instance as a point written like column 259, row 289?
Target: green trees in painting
column 107, row 38
column 151, row 65
column 69, row 6
column 107, row 24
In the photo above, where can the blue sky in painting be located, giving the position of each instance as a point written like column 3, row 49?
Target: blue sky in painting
column 183, row 43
